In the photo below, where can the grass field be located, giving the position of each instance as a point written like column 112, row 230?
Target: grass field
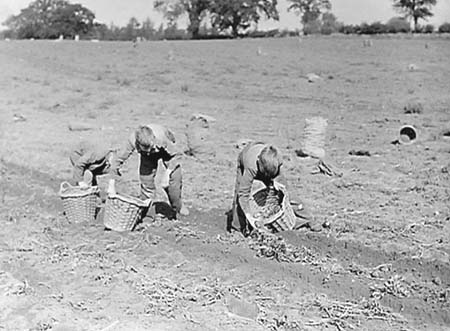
column 382, row 265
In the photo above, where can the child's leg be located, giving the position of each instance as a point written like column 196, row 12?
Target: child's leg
column 234, row 211
column 175, row 188
column 238, row 215
column 147, row 173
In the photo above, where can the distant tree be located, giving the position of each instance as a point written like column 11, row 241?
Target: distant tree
column 377, row 28
column 50, row 18
column 310, row 11
column 240, row 14
column 372, row 28
column 173, row 9
column 349, row 29
column 114, row 32
column 196, row 10
column 429, row 28
column 8, row 34
column 398, row 24
column 34, row 21
column 415, row 9
column 147, row 29
column 208, row 31
column 160, row 32
column 444, row 28
column 101, row 31
column 71, row 20
column 330, row 23
column 131, row 29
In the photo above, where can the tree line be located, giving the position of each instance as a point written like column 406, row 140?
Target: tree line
column 49, row 19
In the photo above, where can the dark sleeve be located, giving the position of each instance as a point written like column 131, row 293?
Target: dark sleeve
column 80, row 166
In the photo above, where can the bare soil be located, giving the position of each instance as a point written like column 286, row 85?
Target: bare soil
column 383, row 263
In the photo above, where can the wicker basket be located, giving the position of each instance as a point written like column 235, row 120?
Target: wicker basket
column 283, row 220
column 79, row 203
column 123, row 212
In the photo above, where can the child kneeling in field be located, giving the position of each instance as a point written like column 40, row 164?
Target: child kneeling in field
column 90, row 160
column 153, row 143
column 260, row 162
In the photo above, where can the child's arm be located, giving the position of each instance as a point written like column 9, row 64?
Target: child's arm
column 171, row 155
column 80, row 166
column 123, row 154
column 170, row 164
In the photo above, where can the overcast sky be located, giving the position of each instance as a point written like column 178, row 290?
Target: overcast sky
column 347, row 11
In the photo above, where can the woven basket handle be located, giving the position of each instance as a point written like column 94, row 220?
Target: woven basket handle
column 64, row 186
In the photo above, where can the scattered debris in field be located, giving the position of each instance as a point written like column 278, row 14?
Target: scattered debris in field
column 378, row 272
column 313, row 78
column 233, row 238
column 260, row 52
column 446, row 133
column 367, row 43
column 395, row 286
column 80, row 127
column 413, row 67
column 171, row 55
column 185, row 88
column 184, row 232
column 300, row 153
column 165, row 297
column 19, row 118
column 346, row 315
column 321, row 311
column 326, row 169
column 359, row 152
column 241, row 307
column 413, row 107
column 11, row 286
column 273, row 247
column 162, row 296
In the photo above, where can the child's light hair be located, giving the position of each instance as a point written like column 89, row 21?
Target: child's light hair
column 144, row 138
column 269, row 162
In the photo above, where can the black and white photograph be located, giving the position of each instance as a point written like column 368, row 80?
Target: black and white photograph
column 215, row 165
